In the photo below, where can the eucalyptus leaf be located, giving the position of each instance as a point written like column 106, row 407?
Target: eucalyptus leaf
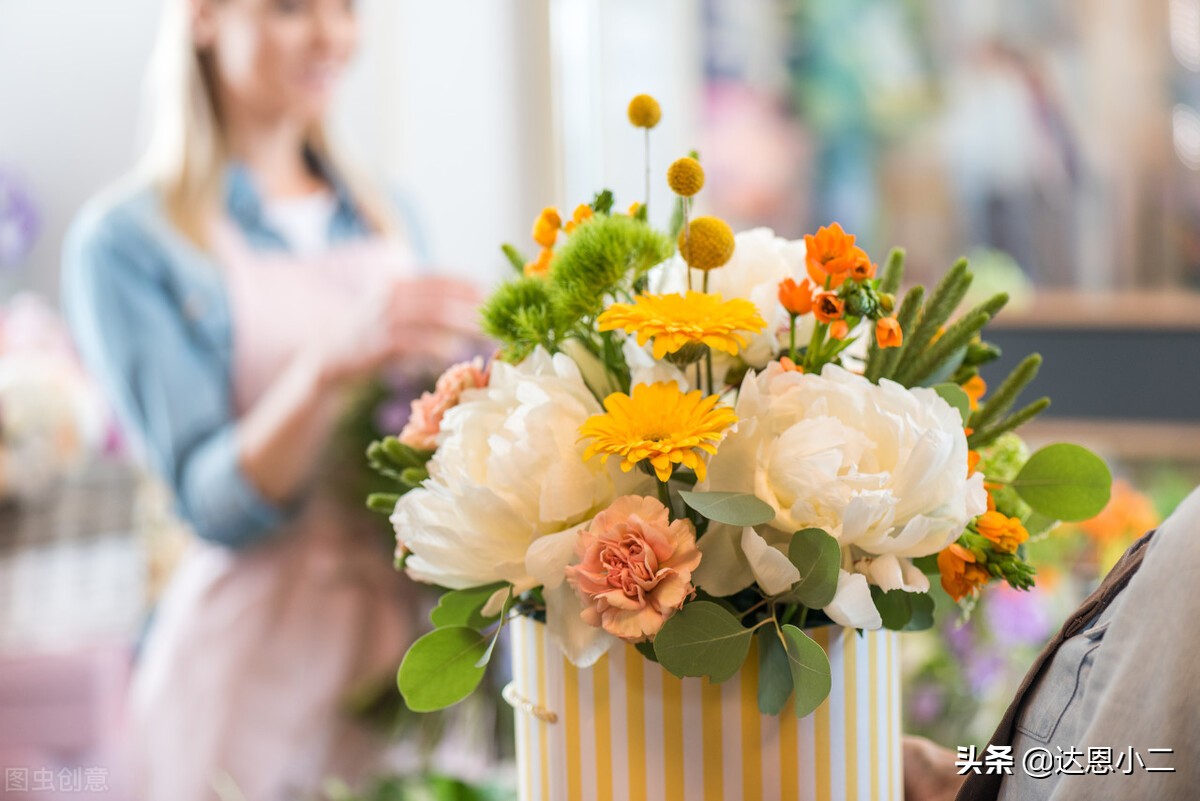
column 463, row 607
column 702, row 639
column 818, row 558
column 774, row 673
column 953, row 394
column 646, row 649
column 732, row 508
column 440, row 669
column 893, row 606
column 811, row 675
column 1065, row 482
column 921, row 604
column 927, row 564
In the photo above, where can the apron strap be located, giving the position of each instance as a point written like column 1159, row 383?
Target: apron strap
column 986, row 786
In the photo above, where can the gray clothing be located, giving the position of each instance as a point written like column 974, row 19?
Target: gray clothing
column 1128, row 685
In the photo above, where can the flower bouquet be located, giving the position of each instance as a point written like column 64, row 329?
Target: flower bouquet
column 698, row 463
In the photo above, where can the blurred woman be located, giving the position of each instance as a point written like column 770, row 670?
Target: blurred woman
column 228, row 297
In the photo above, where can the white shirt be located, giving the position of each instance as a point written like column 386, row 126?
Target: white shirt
column 302, row 221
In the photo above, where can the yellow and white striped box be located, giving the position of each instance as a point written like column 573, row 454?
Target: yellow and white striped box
column 627, row 729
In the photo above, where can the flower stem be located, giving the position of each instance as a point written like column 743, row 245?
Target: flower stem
column 647, row 171
column 792, row 339
column 664, row 493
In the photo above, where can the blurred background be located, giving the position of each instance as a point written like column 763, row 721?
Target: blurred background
column 1057, row 144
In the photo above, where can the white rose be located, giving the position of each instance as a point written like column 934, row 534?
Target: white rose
column 882, row 468
column 760, row 261
column 509, row 469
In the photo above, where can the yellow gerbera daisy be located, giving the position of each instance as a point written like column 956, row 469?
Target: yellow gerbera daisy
column 674, row 321
column 660, row 424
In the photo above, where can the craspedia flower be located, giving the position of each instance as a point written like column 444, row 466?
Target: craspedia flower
column 644, row 112
column 658, row 424
column 545, row 227
column 685, row 176
column 541, row 265
column 676, row 321
column 583, row 213
column 706, row 243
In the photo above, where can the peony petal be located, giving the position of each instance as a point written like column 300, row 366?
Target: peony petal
column 889, row 572
column 772, row 569
column 852, row 604
column 724, row 569
column 549, row 556
column 495, row 604
column 580, row 643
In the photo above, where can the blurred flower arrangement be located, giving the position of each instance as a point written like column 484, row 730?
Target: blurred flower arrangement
column 19, row 220
column 50, row 414
column 691, row 437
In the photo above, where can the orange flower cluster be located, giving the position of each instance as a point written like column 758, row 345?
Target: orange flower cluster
column 545, row 233
column 975, row 389
column 583, row 213
column 961, row 575
column 1128, row 514
column 831, row 254
column 830, row 258
column 1005, row 533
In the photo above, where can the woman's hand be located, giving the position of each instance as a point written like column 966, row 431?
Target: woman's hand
column 422, row 317
column 929, row 771
column 283, row 435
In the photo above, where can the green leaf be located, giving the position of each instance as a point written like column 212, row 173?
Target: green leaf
column 462, row 607
column 922, row 611
column 1038, row 523
column 646, row 649
column 811, row 679
column 927, row 564
column 1065, row 482
column 893, row 607
column 440, row 668
column 702, row 639
column 954, row 395
column 514, row 258
column 774, row 673
column 818, row 558
column 733, row 508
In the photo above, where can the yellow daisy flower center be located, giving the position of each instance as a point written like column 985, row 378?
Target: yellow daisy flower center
column 658, row 424
column 675, row 321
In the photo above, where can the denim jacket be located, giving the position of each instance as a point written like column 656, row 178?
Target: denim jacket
column 150, row 316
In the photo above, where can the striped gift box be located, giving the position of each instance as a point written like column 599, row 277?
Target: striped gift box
column 627, row 729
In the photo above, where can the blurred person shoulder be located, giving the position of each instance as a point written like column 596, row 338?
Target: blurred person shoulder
column 122, row 234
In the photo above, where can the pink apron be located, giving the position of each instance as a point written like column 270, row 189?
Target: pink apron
column 242, row 687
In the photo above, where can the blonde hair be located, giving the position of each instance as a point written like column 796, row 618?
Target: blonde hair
column 186, row 153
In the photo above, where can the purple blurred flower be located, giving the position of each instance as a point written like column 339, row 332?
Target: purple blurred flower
column 1016, row 617
column 982, row 670
column 19, row 222
column 926, row 703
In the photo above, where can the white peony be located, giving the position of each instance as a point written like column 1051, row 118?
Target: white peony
column 882, row 468
column 760, row 261
column 509, row 469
